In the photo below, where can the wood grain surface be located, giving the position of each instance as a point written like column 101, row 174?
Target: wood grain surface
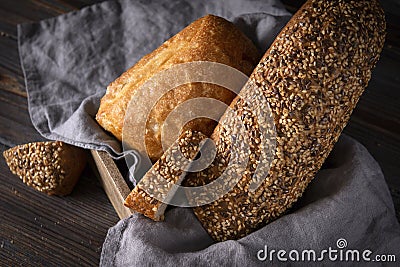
column 112, row 182
column 36, row 229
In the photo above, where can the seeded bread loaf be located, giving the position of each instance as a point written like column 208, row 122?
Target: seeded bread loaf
column 210, row 38
column 51, row 167
column 312, row 77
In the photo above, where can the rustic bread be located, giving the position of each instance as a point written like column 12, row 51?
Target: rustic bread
column 210, row 38
column 312, row 77
column 51, row 167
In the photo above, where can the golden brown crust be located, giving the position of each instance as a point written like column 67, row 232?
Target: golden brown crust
column 210, row 38
column 51, row 167
column 312, row 77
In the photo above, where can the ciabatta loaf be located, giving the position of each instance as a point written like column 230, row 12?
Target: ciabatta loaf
column 210, row 38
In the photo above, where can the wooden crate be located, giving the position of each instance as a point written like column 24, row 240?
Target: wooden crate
column 112, row 181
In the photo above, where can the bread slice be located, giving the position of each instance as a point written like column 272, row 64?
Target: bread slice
column 154, row 191
column 50, row 167
column 209, row 38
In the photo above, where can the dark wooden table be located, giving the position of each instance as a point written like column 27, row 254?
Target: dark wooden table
column 36, row 229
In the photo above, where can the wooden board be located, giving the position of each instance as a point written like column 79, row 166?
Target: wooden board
column 112, row 181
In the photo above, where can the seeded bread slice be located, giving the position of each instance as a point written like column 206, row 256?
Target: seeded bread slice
column 312, row 76
column 156, row 188
column 50, row 167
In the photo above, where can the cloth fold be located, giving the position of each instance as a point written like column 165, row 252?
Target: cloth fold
column 69, row 60
column 348, row 202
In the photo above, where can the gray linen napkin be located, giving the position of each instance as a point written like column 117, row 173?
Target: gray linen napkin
column 347, row 202
column 69, row 60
